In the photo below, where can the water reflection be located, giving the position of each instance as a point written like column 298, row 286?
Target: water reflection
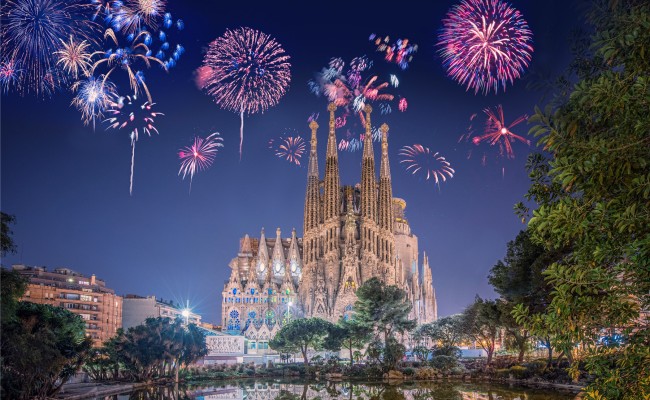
column 298, row 390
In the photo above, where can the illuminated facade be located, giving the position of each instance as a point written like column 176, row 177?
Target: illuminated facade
column 99, row 306
column 350, row 234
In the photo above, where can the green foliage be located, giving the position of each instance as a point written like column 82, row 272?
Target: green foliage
column 384, row 308
column 393, row 352
column 444, row 363
column 12, row 287
column 446, row 332
column 302, row 334
column 348, row 334
column 42, row 347
column 153, row 350
column 7, row 244
column 481, row 322
column 593, row 196
column 520, row 372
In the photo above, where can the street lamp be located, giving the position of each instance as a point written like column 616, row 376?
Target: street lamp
column 186, row 314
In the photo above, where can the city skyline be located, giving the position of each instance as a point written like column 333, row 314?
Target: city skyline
column 68, row 185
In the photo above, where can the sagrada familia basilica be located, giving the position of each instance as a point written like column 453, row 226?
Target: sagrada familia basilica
column 350, row 234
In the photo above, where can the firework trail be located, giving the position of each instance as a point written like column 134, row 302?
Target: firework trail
column 498, row 132
column 199, row 156
column 400, row 52
column 290, row 148
column 75, row 57
column 403, row 104
column 32, row 32
column 419, row 160
column 394, row 81
column 484, row 44
column 245, row 71
column 128, row 112
column 94, row 96
column 105, row 8
column 126, row 58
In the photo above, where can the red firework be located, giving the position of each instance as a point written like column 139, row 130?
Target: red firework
column 497, row 132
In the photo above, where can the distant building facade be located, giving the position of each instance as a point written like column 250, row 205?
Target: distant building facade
column 88, row 297
column 350, row 235
column 136, row 309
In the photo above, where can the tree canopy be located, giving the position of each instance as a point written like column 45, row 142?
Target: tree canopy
column 42, row 345
column 304, row 334
column 594, row 196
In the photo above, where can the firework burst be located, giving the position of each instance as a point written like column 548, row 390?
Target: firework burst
column 131, row 16
column 246, row 71
column 350, row 90
column 128, row 112
column 32, row 32
column 419, row 160
column 400, row 52
column 9, row 74
column 126, row 58
column 199, row 156
column 75, row 57
column 94, row 96
column 289, row 148
column 484, row 44
column 497, row 132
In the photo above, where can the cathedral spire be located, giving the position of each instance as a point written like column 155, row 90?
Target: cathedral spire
column 278, row 260
column 386, row 248
column 368, row 192
column 332, row 180
column 312, row 200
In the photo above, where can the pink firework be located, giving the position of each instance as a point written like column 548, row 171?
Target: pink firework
column 419, row 160
column 484, row 44
column 497, row 132
column 403, row 104
column 199, row 156
column 290, row 148
column 245, row 71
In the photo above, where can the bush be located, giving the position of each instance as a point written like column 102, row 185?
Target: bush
column 425, row 373
column 444, row 363
column 536, row 367
column 520, row 372
column 408, row 371
column 503, row 373
column 450, row 351
column 249, row 371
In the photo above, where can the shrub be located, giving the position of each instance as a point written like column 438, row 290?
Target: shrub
column 249, row 371
column 425, row 373
column 444, row 363
column 536, row 367
column 520, row 372
column 503, row 373
column 408, row 371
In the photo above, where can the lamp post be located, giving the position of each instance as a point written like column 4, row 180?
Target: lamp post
column 186, row 314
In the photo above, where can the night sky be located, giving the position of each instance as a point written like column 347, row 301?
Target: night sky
column 68, row 185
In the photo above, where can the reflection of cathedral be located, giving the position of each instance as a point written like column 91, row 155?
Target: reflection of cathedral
column 351, row 234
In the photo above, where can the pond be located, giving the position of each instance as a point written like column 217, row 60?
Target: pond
column 299, row 390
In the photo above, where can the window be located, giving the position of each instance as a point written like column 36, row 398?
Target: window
column 251, row 345
column 84, row 297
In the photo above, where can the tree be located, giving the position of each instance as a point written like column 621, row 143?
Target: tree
column 519, row 279
column 350, row 335
column 445, row 333
column 481, row 322
column 7, row 244
column 42, row 347
column 154, row 349
column 304, row 333
column 383, row 308
column 598, row 139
